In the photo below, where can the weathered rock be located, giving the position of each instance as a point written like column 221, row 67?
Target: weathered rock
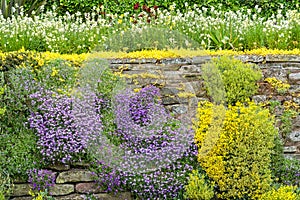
column 87, row 188
column 259, row 98
column 59, row 167
column 80, row 165
column 276, row 71
column 296, row 122
column 201, row 59
column 74, row 175
column 295, row 136
column 294, row 77
column 121, row 196
column 290, row 149
column 168, row 61
column 21, row 189
column 251, row 58
column 22, row 198
column 282, row 58
column 292, row 156
column 179, row 109
column 61, row 189
column 190, row 69
column 72, row 197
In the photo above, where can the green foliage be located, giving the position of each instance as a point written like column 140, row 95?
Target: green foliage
column 5, row 185
column 198, row 187
column 268, row 7
column 144, row 39
column 239, row 79
column 239, row 160
column 14, row 7
column 18, row 142
column 57, row 75
column 285, row 171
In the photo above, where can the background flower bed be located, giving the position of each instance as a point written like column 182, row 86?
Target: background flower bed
column 207, row 28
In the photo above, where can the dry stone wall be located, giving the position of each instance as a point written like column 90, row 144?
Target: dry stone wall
column 182, row 88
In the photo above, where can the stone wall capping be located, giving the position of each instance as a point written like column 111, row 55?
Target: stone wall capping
column 201, row 59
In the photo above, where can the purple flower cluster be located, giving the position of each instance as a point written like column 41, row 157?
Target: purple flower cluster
column 107, row 179
column 65, row 125
column 153, row 143
column 40, row 179
column 141, row 104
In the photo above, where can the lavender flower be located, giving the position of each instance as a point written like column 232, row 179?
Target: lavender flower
column 65, row 125
column 157, row 152
column 41, row 180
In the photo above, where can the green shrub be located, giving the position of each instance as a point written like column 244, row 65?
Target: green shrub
column 198, row 188
column 238, row 159
column 239, row 79
column 17, row 141
column 5, row 185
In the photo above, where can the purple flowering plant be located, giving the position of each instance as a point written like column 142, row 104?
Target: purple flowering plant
column 40, row 179
column 64, row 125
column 154, row 146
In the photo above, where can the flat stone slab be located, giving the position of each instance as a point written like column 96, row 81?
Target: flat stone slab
column 295, row 136
column 61, row 189
column 290, row 149
column 21, row 189
column 74, row 176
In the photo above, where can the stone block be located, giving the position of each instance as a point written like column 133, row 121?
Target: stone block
column 259, row 98
column 74, row 175
column 72, row 197
column 201, row 59
column 87, row 188
column 295, row 136
column 61, row 189
column 282, row 58
column 121, row 196
column 251, row 58
column 59, row 167
column 290, row 149
column 294, row 77
column 21, row 189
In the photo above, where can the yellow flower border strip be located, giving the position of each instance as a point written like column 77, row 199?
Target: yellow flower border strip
column 156, row 54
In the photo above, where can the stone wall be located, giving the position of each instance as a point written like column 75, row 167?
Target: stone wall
column 73, row 182
column 182, row 88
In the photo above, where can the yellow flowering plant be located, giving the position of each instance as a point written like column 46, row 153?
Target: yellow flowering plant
column 238, row 157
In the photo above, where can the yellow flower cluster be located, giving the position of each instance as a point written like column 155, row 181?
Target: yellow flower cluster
column 234, row 145
column 198, row 188
column 76, row 59
column 282, row 193
column 278, row 85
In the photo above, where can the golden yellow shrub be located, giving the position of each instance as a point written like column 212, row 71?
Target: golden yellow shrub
column 238, row 159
